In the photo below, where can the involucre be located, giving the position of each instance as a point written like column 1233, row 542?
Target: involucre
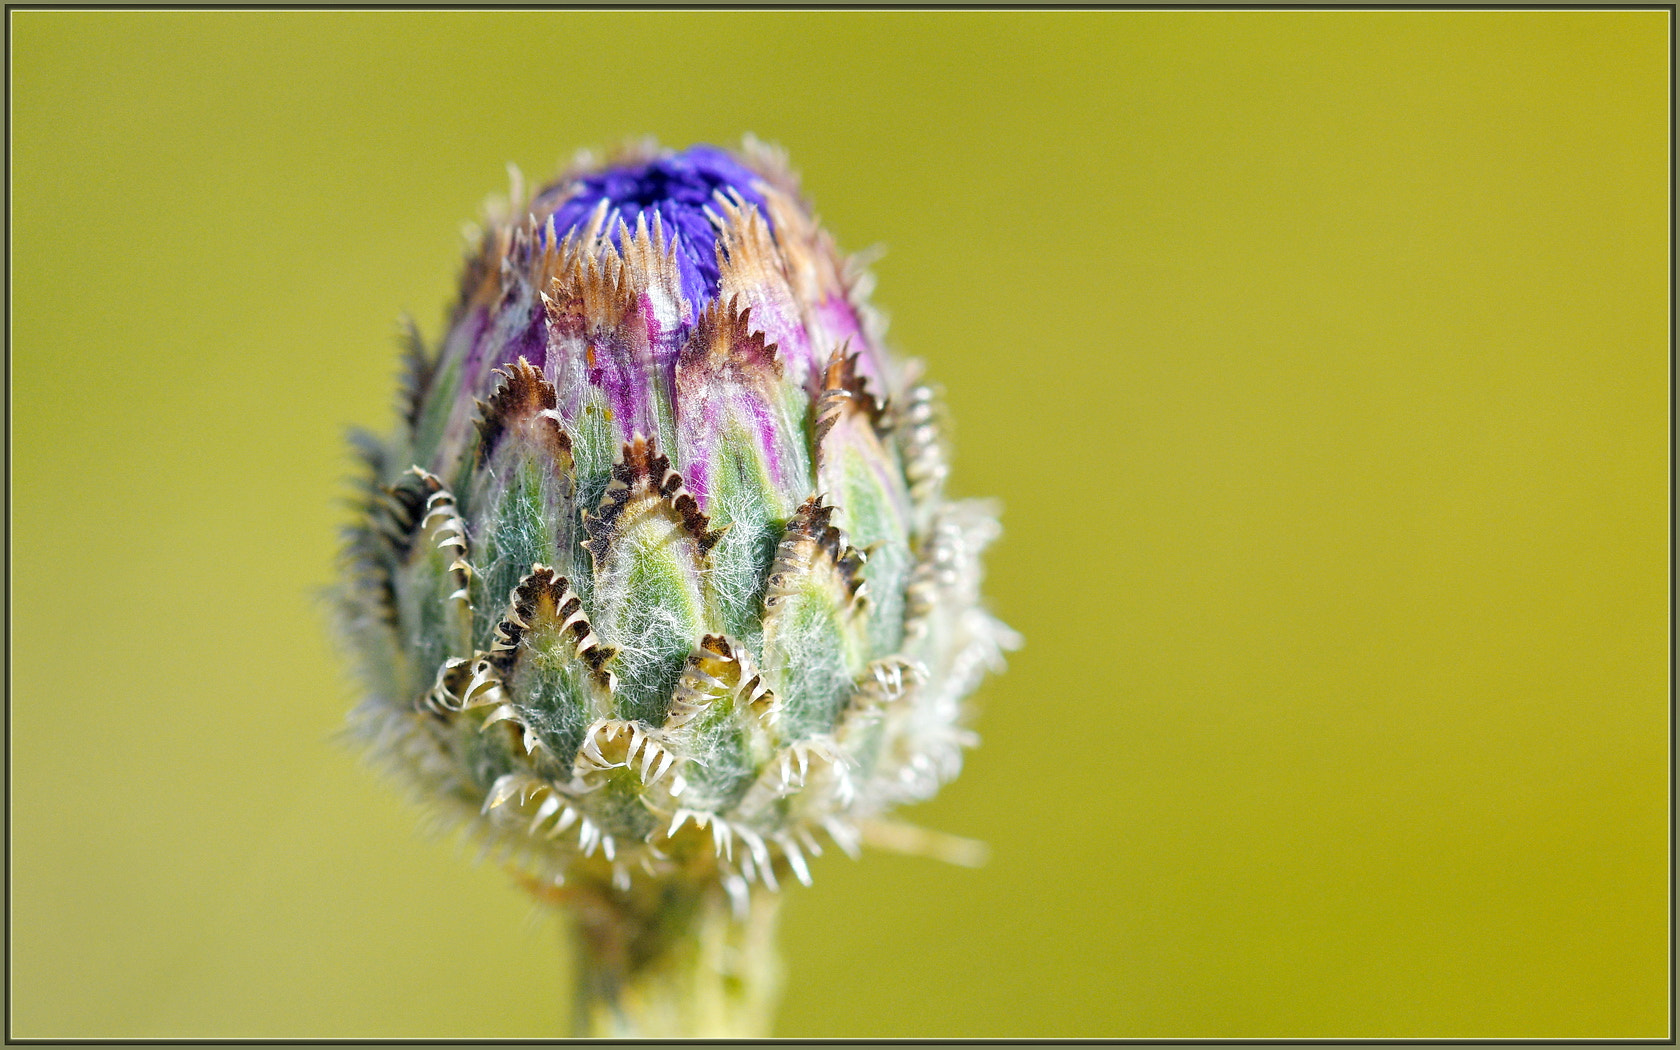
column 656, row 585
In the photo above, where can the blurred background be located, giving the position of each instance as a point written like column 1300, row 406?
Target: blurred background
column 1319, row 359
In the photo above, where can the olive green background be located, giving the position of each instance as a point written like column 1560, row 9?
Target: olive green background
column 1320, row 361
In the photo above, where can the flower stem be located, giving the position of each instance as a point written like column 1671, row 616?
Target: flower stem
column 672, row 961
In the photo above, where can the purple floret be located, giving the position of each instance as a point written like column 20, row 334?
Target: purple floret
column 679, row 189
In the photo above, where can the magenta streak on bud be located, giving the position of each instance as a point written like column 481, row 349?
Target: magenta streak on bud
column 621, row 372
column 701, row 431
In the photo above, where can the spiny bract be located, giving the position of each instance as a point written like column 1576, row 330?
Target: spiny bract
column 657, row 576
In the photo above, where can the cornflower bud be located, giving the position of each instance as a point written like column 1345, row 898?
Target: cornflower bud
column 656, row 587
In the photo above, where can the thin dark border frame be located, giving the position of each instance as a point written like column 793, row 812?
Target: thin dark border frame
column 1673, row 517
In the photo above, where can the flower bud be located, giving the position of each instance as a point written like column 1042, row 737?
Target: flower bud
column 657, row 579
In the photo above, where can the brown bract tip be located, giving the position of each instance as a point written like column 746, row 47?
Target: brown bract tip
column 524, row 402
column 545, row 598
column 404, row 507
column 593, row 290
column 725, row 344
column 418, row 368
column 844, row 390
column 649, row 260
column 745, row 246
column 809, row 538
column 640, row 474
column 481, row 276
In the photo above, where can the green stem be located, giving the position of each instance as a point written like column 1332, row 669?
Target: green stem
column 673, row 961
